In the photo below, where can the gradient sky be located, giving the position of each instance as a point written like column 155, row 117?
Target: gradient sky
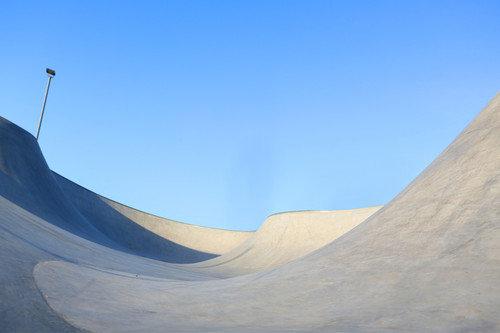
column 220, row 113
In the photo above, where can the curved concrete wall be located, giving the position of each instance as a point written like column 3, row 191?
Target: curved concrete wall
column 285, row 237
column 111, row 217
column 428, row 261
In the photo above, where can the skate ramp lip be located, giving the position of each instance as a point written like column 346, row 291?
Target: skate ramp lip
column 284, row 237
column 114, row 215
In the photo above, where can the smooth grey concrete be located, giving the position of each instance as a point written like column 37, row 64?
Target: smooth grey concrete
column 428, row 261
column 135, row 228
column 282, row 238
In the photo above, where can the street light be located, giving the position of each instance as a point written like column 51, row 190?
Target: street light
column 50, row 73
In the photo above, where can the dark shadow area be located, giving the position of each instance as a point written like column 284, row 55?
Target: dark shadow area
column 125, row 231
column 27, row 181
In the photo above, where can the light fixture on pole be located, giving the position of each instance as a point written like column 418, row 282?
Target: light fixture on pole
column 50, row 73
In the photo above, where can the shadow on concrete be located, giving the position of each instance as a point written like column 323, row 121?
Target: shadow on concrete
column 27, row 181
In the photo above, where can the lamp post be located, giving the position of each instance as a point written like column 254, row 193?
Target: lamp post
column 50, row 73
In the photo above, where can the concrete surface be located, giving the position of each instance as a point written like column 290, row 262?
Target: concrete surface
column 282, row 238
column 135, row 228
column 428, row 261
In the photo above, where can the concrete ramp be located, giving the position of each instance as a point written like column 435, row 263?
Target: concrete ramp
column 147, row 233
column 27, row 181
column 428, row 261
column 284, row 237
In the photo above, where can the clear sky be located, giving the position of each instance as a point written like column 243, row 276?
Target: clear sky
column 220, row 113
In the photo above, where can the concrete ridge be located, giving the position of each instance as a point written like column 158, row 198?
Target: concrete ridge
column 113, row 217
column 285, row 237
column 139, row 210
column 322, row 211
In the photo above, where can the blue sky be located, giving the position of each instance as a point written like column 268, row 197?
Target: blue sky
column 220, row 113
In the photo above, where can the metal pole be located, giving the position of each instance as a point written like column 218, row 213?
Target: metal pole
column 43, row 106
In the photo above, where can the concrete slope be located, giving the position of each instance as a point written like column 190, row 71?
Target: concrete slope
column 285, row 237
column 26, row 180
column 26, row 240
column 45, row 217
column 117, row 220
column 426, row 262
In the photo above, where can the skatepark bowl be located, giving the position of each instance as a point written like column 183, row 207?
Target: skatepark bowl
column 427, row 261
